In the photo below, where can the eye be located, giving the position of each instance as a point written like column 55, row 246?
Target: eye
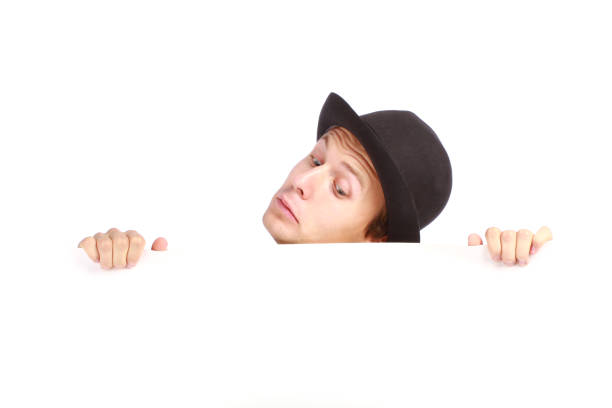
column 313, row 160
column 318, row 163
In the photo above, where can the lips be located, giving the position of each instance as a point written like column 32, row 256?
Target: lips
column 286, row 205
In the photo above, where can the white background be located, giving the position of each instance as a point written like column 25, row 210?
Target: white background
column 181, row 119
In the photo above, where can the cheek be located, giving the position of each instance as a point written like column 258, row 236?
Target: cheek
column 356, row 215
column 334, row 216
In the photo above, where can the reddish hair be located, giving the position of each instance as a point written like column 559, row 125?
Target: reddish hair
column 377, row 228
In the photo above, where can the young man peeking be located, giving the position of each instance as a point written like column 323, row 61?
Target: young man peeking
column 379, row 177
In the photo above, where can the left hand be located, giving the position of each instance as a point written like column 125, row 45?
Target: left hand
column 512, row 246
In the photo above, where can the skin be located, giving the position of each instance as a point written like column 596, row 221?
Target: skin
column 328, row 201
column 118, row 249
column 511, row 246
column 314, row 189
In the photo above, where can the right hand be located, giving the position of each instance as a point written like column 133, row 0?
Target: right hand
column 119, row 249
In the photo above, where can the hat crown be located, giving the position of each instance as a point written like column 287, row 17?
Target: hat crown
column 419, row 156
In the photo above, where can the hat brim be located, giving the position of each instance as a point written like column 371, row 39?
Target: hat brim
column 403, row 222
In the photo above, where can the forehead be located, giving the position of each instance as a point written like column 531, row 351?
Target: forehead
column 345, row 143
column 343, row 139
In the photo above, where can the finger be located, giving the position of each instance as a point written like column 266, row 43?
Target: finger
column 160, row 244
column 523, row 244
column 508, row 244
column 543, row 235
column 89, row 246
column 136, row 247
column 474, row 239
column 493, row 243
column 104, row 246
column 121, row 244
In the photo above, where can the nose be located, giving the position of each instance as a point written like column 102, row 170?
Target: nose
column 306, row 183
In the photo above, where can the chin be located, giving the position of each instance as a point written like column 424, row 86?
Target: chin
column 275, row 230
column 281, row 236
column 282, row 240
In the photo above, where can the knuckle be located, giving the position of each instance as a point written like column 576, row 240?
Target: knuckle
column 105, row 243
column 137, row 240
column 492, row 230
column 121, row 241
column 508, row 235
column 524, row 233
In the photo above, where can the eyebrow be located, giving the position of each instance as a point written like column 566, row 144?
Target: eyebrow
column 349, row 167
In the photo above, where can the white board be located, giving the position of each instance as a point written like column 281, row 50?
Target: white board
column 373, row 325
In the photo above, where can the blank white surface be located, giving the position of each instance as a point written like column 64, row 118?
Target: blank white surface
column 309, row 325
column 181, row 119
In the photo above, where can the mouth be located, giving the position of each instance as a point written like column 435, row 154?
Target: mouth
column 286, row 208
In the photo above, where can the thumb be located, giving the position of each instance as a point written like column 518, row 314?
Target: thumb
column 474, row 239
column 160, row 244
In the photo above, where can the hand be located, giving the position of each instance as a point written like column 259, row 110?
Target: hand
column 510, row 246
column 116, row 248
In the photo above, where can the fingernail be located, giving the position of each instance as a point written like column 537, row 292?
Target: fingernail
column 533, row 250
column 129, row 265
column 521, row 262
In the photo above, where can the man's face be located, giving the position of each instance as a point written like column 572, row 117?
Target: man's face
column 331, row 203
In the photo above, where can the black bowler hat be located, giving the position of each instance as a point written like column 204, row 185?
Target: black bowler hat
column 412, row 165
